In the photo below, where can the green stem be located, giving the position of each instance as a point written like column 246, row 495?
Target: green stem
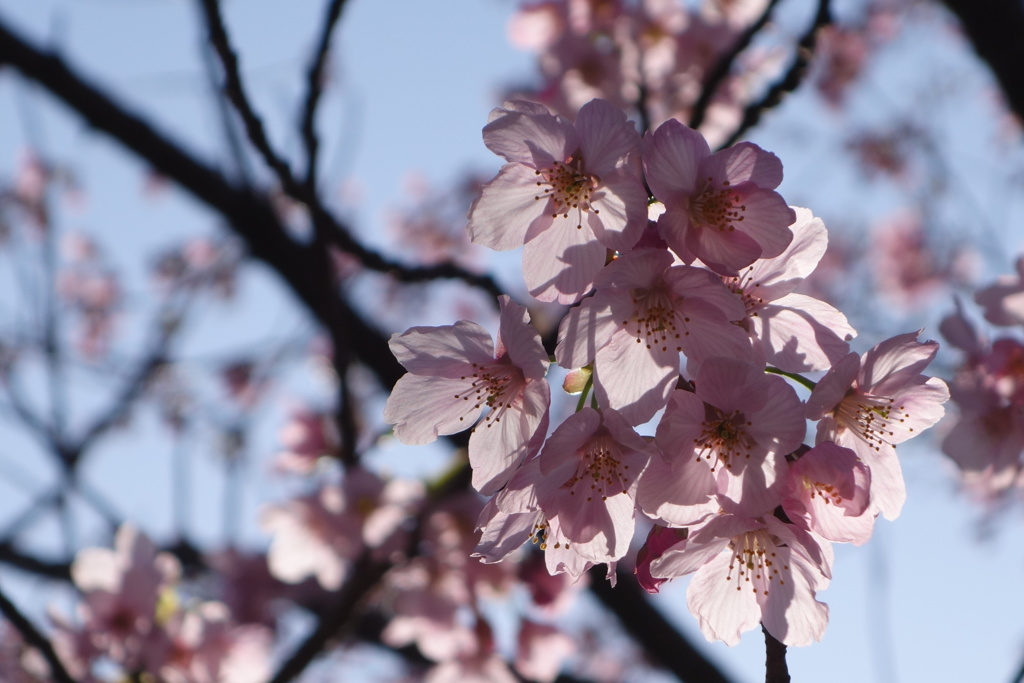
column 799, row 379
column 583, row 394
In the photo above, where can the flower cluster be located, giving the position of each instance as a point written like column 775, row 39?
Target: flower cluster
column 987, row 441
column 132, row 619
column 693, row 317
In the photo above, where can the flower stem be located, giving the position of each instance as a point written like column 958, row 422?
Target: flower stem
column 799, row 379
column 583, row 394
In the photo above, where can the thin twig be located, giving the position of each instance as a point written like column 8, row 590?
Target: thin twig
column 235, row 91
column 724, row 65
column 326, row 227
column 792, row 78
column 314, row 89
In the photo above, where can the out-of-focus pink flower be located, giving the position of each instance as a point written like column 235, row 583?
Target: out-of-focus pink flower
column 319, row 534
column 721, row 208
column 1004, row 301
column 751, row 571
column 540, row 651
column 307, row 437
column 569, row 192
column 873, row 402
column 455, row 374
column 202, row 645
column 120, row 590
column 907, row 268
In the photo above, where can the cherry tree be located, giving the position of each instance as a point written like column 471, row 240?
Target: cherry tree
column 485, row 437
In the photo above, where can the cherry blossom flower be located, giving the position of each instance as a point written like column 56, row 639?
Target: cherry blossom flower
column 319, row 534
column 202, row 645
column 590, row 467
column 569, row 193
column 720, row 208
column 987, row 439
column 751, row 571
column 514, row 517
column 121, row 589
column 743, row 423
column 1004, row 301
column 307, row 437
column 645, row 312
column 540, row 651
column 455, row 374
column 873, row 402
column 828, row 493
column 794, row 332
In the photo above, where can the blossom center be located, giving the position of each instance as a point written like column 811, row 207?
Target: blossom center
column 723, row 439
column 655, row 320
column 746, row 289
column 754, row 562
column 873, row 418
column 600, row 472
column 491, row 386
column 717, row 208
column 828, row 492
column 568, row 187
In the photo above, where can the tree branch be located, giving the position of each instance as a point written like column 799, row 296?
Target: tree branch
column 775, row 668
column 314, row 88
column 34, row 638
column 660, row 639
column 995, row 29
column 724, row 65
column 792, row 78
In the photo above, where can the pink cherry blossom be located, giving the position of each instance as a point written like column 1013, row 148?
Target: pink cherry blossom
column 514, row 516
column 645, row 312
column 569, row 192
column 795, row 332
column 201, row 645
column 742, row 423
column 1004, row 301
column 321, row 533
column 540, row 651
column 750, row 571
column 720, row 208
column 828, row 493
column 590, row 467
column 455, row 375
column 873, row 402
column 307, row 437
column 120, row 588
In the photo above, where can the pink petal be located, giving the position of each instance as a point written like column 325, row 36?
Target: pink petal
column 621, row 201
column 606, row 137
column 447, row 351
column 560, row 264
column 423, row 408
column 523, row 133
column 633, row 380
column 506, row 208
column 521, row 340
column 802, row 334
column 584, row 331
column 744, row 162
column 497, row 448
